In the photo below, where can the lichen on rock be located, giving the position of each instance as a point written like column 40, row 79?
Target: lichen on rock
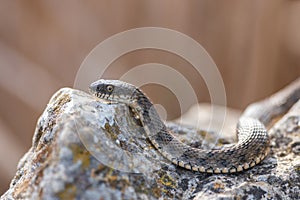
column 84, row 148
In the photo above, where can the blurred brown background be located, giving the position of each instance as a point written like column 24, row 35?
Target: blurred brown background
column 255, row 44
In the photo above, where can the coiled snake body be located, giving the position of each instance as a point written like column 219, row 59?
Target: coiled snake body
column 253, row 142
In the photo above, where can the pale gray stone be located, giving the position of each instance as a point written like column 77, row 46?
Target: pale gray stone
column 84, row 148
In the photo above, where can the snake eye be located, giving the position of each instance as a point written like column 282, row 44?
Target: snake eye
column 109, row 88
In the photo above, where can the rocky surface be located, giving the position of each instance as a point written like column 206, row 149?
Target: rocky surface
column 84, row 148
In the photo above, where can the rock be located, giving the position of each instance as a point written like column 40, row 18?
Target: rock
column 84, row 148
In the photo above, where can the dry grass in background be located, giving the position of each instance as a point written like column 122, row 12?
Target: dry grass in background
column 255, row 45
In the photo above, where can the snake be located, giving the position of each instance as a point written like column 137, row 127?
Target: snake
column 252, row 144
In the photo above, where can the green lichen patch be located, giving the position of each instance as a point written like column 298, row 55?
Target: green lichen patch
column 166, row 180
column 68, row 193
column 80, row 154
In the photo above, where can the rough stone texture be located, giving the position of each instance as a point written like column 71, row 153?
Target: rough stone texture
column 76, row 131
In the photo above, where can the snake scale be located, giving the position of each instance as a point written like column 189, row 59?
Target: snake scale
column 253, row 141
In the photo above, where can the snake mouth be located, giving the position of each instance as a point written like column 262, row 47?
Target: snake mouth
column 102, row 96
column 111, row 98
column 105, row 97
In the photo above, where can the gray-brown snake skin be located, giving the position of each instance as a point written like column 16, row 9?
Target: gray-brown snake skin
column 253, row 142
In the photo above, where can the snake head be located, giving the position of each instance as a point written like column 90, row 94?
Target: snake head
column 113, row 90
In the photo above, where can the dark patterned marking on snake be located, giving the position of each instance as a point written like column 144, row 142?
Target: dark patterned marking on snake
column 253, row 142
